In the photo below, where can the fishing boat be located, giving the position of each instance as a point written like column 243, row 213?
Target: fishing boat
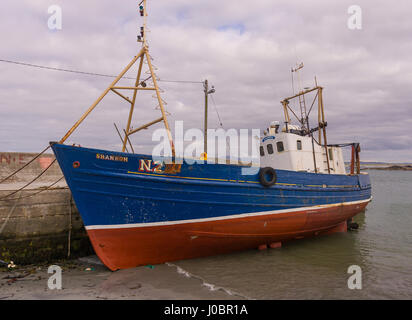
column 138, row 210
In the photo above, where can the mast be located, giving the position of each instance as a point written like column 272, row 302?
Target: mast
column 143, row 39
column 302, row 103
column 304, row 115
column 139, row 85
column 207, row 92
column 206, row 86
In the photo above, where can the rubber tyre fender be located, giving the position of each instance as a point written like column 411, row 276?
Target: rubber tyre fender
column 263, row 176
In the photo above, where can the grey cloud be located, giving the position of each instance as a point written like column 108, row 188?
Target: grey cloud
column 367, row 74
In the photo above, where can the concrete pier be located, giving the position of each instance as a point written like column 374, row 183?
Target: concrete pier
column 38, row 227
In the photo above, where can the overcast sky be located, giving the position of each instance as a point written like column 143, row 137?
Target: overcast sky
column 244, row 48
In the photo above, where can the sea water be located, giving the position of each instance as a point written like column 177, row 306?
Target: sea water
column 317, row 268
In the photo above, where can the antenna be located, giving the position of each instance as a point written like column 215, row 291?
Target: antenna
column 302, row 103
column 141, row 37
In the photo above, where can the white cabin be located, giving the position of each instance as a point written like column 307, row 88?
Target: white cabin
column 286, row 149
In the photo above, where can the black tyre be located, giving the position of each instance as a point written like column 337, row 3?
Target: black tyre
column 267, row 176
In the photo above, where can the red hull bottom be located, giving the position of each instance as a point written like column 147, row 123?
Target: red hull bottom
column 121, row 248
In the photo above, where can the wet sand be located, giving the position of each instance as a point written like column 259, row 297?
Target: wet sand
column 87, row 278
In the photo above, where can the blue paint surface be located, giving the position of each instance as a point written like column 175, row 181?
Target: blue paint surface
column 109, row 192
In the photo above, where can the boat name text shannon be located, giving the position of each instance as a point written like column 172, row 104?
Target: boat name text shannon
column 111, row 157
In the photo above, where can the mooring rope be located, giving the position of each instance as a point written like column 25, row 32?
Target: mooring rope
column 18, row 170
column 33, row 194
column 10, row 213
column 29, row 183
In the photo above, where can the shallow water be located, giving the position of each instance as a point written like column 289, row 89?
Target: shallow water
column 317, row 268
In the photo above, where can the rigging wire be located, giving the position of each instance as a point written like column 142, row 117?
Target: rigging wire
column 17, row 171
column 217, row 112
column 29, row 183
column 33, row 194
column 84, row 72
column 6, row 197
column 9, row 215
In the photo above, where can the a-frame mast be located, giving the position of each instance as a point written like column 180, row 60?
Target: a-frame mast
column 142, row 86
column 139, row 85
column 304, row 118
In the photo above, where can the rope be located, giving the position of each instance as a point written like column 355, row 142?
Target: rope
column 32, row 195
column 9, row 215
column 217, row 112
column 59, row 69
column 15, row 172
column 6, row 197
column 314, row 99
column 29, row 183
column 84, row 72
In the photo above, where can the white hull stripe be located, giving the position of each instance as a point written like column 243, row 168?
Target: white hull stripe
column 236, row 216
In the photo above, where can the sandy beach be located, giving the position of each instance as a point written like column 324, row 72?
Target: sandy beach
column 88, row 279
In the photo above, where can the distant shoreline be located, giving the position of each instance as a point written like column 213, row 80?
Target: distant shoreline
column 390, row 167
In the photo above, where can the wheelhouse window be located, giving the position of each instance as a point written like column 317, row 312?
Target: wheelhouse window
column 262, row 151
column 270, row 148
column 299, row 144
column 279, row 146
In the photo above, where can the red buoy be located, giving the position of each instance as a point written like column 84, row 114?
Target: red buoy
column 262, row 247
column 275, row 245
